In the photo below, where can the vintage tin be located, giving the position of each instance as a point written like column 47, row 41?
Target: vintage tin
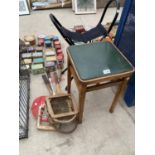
column 27, row 61
column 30, row 39
column 48, row 43
column 37, row 68
column 50, row 64
column 51, row 58
column 79, row 28
column 24, row 67
column 57, row 47
column 26, row 55
column 52, row 50
column 51, row 37
column 39, row 49
column 55, row 38
column 37, row 54
column 30, row 49
column 49, row 53
column 41, row 36
column 23, row 50
column 27, row 44
column 59, row 51
column 50, row 69
column 47, row 38
column 56, row 43
column 40, row 42
column 60, row 57
column 38, row 60
column 60, row 65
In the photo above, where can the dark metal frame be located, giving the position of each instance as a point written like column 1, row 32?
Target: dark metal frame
column 24, row 95
column 67, row 34
column 69, row 38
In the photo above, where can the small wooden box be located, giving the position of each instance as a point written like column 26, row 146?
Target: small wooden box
column 61, row 106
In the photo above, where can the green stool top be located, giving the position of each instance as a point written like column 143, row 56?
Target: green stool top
column 98, row 59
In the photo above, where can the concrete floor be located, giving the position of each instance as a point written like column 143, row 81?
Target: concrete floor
column 101, row 133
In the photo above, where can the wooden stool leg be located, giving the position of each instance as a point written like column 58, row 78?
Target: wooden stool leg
column 118, row 94
column 69, row 78
column 82, row 94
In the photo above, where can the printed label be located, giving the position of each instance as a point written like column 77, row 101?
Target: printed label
column 106, row 71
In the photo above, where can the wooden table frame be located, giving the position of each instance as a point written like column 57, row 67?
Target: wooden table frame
column 95, row 84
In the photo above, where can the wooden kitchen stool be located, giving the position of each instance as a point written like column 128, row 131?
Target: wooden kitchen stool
column 95, row 66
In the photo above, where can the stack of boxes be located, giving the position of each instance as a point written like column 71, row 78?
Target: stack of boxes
column 26, row 61
column 59, row 54
column 50, row 59
column 38, row 61
column 47, row 55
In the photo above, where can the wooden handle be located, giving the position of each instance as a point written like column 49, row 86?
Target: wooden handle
column 47, row 83
column 55, row 82
column 58, row 89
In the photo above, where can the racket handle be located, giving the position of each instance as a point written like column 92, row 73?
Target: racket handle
column 47, row 83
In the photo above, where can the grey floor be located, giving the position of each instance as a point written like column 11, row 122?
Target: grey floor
column 101, row 133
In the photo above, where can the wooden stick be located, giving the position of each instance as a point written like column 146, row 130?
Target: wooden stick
column 47, row 83
column 118, row 94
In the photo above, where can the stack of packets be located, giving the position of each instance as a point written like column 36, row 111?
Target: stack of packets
column 45, row 54
column 59, row 53
column 37, row 66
